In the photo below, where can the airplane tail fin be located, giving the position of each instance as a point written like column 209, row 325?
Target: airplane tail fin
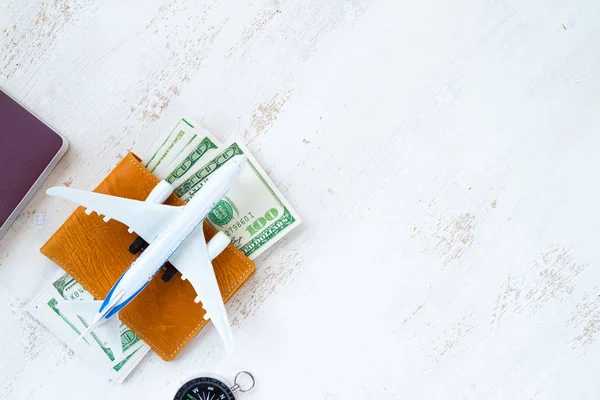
column 110, row 331
column 83, row 308
column 107, row 330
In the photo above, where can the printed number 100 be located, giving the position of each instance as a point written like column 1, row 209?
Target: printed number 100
column 262, row 221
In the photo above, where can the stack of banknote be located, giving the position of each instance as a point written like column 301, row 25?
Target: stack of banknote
column 93, row 349
column 254, row 214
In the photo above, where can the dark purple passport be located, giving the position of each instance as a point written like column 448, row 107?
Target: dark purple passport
column 28, row 151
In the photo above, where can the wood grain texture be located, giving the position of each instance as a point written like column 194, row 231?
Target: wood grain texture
column 444, row 158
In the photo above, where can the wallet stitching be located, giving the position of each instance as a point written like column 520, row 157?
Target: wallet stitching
column 131, row 325
column 201, row 324
column 73, row 275
column 140, row 332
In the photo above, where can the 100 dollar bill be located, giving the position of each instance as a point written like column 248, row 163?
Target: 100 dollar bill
column 197, row 154
column 187, row 146
column 177, row 140
column 93, row 349
column 69, row 289
column 254, row 214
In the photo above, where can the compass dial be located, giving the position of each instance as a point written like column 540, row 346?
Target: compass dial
column 204, row 388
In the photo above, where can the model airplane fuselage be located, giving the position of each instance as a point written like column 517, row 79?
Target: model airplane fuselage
column 166, row 237
column 152, row 259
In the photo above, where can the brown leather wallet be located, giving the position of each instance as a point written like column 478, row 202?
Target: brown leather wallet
column 95, row 253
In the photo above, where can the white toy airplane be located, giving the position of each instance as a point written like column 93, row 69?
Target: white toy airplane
column 172, row 235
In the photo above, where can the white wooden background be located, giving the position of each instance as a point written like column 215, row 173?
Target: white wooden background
column 443, row 154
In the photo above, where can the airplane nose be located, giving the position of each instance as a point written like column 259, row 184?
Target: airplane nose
column 238, row 162
column 231, row 169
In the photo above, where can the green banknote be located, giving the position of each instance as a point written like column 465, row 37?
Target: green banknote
column 69, row 289
column 254, row 214
column 189, row 160
column 177, row 140
column 92, row 349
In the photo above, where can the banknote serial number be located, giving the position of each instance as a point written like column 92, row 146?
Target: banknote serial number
column 252, row 225
column 239, row 224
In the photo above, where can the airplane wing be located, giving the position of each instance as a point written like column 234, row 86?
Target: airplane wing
column 194, row 262
column 145, row 219
column 193, row 258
